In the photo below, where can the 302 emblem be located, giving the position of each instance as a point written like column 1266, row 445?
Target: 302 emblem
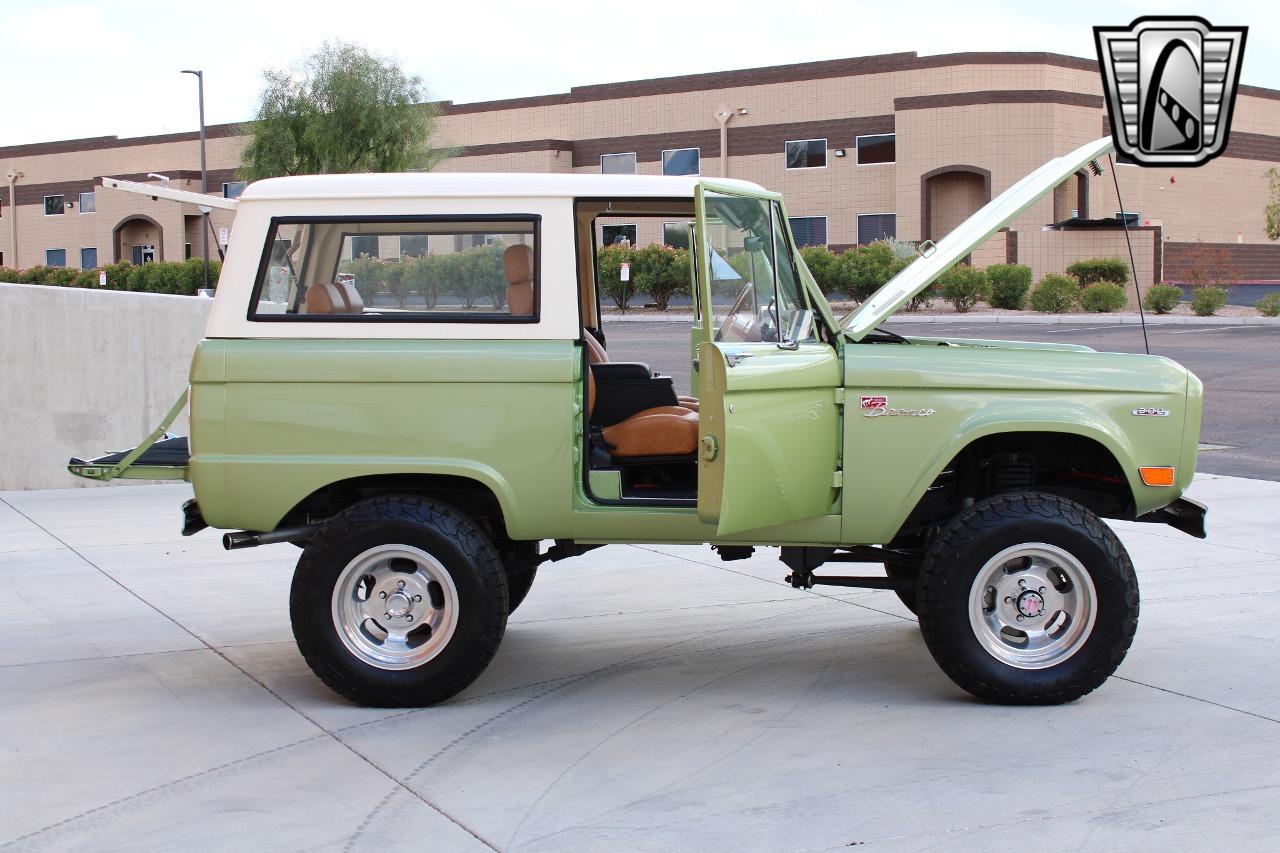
column 878, row 407
column 1151, row 413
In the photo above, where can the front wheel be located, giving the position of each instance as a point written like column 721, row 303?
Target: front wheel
column 399, row 601
column 1029, row 599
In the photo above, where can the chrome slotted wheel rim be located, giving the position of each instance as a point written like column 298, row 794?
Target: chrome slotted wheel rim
column 395, row 607
column 1032, row 606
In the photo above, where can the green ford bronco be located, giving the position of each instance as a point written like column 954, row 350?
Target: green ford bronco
column 407, row 376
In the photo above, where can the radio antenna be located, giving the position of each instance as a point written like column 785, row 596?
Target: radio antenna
column 1133, row 268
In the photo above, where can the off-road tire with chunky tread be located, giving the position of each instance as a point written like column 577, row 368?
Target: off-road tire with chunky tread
column 969, row 540
column 442, row 531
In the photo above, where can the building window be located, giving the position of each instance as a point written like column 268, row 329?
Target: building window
column 877, row 226
column 617, row 164
column 413, row 245
column 233, row 189
column 806, row 154
column 55, row 257
column 54, row 205
column 613, row 234
column 88, row 259
column 363, row 245
column 809, row 230
column 676, row 234
column 88, row 203
column 1128, row 217
column 880, row 148
column 681, row 161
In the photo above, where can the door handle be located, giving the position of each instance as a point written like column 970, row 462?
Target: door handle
column 735, row 358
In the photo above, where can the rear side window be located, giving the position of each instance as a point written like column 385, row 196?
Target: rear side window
column 481, row 269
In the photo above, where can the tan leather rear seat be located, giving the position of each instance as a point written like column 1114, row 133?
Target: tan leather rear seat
column 335, row 298
column 517, row 264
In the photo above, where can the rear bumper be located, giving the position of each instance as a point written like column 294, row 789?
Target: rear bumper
column 1183, row 514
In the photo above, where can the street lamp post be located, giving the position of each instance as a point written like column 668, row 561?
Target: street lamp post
column 204, row 176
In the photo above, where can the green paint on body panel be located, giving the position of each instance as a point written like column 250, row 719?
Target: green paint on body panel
column 274, row 421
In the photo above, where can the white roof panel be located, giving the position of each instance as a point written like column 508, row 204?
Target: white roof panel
column 477, row 185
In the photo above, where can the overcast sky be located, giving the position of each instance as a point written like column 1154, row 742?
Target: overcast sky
column 103, row 68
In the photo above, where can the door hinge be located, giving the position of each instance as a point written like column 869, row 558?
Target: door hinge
column 837, row 480
column 839, row 396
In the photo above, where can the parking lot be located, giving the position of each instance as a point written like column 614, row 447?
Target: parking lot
column 645, row 698
column 1238, row 364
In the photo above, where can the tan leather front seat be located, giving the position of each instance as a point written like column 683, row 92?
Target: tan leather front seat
column 660, row 431
column 596, row 355
column 336, row 298
column 517, row 264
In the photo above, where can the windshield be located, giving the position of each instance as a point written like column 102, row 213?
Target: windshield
column 755, row 289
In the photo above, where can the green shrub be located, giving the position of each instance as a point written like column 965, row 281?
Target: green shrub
column 1056, row 294
column 865, row 269
column 425, row 275
column 1269, row 305
column 192, row 275
column 922, row 300
column 1207, row 300
column 9, row 274
column 87, row 278
column 1100, row 269
column 824, row 266
column 1162, row 298
column 964, row 286
column 118, row 275
column 1104, row 297
column 610, row 260
column 368, row 276
column 661, row 272
column 1009, row 285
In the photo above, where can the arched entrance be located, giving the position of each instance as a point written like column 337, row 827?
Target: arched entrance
column 949, row 196
column 137, row 238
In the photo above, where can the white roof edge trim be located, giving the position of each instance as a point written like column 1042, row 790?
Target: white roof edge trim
column 161, row 191
column 968, row 235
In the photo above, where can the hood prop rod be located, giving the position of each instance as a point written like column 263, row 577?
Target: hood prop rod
column 1133, row 268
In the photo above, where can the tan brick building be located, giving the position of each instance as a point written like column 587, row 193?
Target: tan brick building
column 897, row 145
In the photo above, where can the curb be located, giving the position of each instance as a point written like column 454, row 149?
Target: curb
column 1021, row 320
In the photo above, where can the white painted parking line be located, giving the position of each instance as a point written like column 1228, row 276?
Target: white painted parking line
column 1206, row 329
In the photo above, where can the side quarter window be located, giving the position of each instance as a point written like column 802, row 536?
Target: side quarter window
column 430, row 269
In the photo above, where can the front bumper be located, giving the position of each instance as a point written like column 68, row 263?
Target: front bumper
column 1183, row 514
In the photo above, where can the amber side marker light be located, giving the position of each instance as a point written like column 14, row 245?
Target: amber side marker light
column 1157, row 476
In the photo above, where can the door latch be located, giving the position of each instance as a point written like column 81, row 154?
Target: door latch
column 710, row 448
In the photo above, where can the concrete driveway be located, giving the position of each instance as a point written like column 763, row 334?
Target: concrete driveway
column 644, row 698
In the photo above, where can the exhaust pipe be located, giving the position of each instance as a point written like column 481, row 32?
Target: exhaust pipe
column 246, row 539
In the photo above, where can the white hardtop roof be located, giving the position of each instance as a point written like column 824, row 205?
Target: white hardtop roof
column 479, row 184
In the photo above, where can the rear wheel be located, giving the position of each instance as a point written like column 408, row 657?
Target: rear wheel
column 1028, row 598
column 399, row 601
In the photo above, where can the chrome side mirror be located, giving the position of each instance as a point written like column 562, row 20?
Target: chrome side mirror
column 800, row 329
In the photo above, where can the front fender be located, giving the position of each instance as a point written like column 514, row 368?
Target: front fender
column 891, row 461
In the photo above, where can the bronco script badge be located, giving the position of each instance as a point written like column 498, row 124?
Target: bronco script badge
column 1170, row 84
column 878, row 407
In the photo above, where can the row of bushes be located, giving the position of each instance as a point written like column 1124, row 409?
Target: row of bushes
column 473, row 275
column 184, row 278
column 657, row 271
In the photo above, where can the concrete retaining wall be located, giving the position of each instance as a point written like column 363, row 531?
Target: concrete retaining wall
column 84, row 372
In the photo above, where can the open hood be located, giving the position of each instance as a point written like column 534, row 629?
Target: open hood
column 968, row 235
